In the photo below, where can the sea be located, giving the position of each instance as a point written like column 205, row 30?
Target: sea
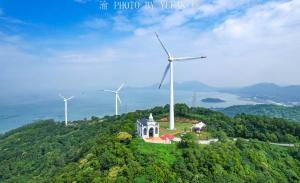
column 18, row 111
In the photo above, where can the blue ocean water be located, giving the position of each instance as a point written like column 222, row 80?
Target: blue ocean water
column 23, row 110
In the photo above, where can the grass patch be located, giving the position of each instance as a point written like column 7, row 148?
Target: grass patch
column 203, row 135
column 160, row 152
column 179, row 128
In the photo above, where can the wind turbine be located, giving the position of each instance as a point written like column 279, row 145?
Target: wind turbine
column 66, row 107
column 170, row 67
column 117, row 97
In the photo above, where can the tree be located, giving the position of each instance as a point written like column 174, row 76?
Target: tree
column 188, row 140
column 124, row 137
column 181, row 109
column 222, row 136
column 290, row 138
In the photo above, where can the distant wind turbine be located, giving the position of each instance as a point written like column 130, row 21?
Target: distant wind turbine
column 66, row 107
column 117, row 97
column 170, row 67
column 194, row 101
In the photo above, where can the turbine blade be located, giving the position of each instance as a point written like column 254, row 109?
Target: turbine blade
column 60, row 95
column 119, row 99
column 164, row 76
column 110, row 91
column 70, row 98
column 167, row 52
column 120, row 87
column 188, row 58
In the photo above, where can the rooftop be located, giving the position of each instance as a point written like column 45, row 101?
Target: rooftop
column 144, row 121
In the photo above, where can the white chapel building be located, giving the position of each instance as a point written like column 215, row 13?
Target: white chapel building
column 198, row 127
column 148, row 128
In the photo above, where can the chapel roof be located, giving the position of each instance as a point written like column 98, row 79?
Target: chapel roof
column 144, row 121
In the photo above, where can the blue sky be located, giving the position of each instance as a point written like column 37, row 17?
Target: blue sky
column 74, row 44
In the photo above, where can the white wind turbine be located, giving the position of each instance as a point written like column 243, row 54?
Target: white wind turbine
column 117, row 97
column 170, row 67
column 66, row 107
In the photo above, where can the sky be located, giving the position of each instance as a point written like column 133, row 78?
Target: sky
column 85, row 45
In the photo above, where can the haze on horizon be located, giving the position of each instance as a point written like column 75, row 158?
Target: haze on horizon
column 55, row 45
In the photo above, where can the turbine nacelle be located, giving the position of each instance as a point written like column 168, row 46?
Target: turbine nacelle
column 170, row 59
column 65, row 98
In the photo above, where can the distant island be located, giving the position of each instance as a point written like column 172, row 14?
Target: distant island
column 212, row 100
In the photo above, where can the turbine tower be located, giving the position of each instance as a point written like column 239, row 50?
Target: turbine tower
column 170, row 67
column 194, row 101
column 117, row 97
column 66, row 107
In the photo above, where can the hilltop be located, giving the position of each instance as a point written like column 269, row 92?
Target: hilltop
column 108, row 150
column 291, row 113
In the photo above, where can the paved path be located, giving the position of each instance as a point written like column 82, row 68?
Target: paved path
column 280, row 144
column 273, row 143
column 207, row 141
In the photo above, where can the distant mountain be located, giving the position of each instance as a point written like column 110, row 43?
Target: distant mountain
column 291, row 113
column 259, row 88
column 261, row 92
column 268, row 91
column 186, row 86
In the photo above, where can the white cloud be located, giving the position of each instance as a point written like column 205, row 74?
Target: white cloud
column 81, row 1
column 165, row 19
column 161, row 18
column 9, row 39
column 122, row 23
column 10, row 20
column 95, row 23
column 219, row 6
column 272, row 19
column 259, row 45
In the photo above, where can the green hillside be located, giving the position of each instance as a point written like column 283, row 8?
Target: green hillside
column 292, row 113
column 95, row 151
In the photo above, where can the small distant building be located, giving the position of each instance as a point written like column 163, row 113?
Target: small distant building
column 198, row 127
column 148, row 128
column 167, row 138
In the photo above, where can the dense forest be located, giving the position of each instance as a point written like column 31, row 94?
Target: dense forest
column 108, row 150
column 292, row 113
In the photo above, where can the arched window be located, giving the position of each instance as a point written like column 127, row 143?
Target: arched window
column 156, row 130
column 145, row 131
